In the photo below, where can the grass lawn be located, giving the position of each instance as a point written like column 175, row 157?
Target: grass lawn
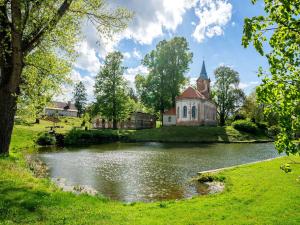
column 260, row 193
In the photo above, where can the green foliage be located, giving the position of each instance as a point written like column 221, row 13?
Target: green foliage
column 226, row 93
column 273, row 131
column 85, row 137
column 46, row 139
column 245, row 126
column 286, row 168
column 210, row 177
column 276, row 36
column 111, row 89
column 80, row 97
column 252, row 109
column 167, row 65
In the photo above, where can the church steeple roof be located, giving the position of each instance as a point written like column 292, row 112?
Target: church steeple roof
column 203, row 73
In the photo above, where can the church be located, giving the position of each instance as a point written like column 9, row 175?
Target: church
column 194, row 107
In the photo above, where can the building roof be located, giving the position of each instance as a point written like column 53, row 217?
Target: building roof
column 191, row 93
column 203, row 73
column 170, row 112
column 62, row 106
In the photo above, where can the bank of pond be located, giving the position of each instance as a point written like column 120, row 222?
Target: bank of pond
column 227, row 134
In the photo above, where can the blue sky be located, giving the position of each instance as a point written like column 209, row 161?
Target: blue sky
column 213, row 29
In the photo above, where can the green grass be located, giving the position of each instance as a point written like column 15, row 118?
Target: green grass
column 260, row 193
column 196, row 134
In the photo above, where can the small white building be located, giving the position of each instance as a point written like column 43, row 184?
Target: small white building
column 169, row 117
column 61, row 109
column 194, row 107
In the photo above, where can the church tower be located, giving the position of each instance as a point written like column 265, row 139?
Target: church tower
column 203, row 82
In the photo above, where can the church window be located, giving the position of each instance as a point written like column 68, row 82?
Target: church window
column 184, row 112
column 194, row 112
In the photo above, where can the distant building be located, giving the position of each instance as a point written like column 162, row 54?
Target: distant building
column 194, row 106
column 136, row 121
column 169, row 117
column 61, row 109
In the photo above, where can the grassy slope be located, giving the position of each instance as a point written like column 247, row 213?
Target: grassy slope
column 255, row 194
column 195, row 134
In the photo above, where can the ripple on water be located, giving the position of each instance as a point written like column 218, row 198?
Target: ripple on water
column 151, row 171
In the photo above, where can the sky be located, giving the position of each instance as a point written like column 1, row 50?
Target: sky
column 213, row 29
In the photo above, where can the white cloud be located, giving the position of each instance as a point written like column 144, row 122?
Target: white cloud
column 127, row 55
column 136, row 54
column 87, row 58
column 213, row 16
column 130, row 73
column 153, row 17
column 67, row 90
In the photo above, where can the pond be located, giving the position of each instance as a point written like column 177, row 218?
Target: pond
column 148, row 171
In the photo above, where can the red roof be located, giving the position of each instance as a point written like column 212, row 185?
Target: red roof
column 170, row 112
column 191, row 93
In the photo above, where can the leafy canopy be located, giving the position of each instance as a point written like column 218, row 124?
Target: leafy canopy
column 226, row 93
column 276, row 35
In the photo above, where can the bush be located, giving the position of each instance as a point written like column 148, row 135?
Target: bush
column 46, row 139
column 85, row 137
column 209, row 177
column 262, row 126
column 273, row 131
column 244, row 125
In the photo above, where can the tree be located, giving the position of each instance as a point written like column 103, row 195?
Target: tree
column 26, row 26
column 167, row 65
column 226, row 93
column 253, row 109
column 80, row 97
column 111, row 89
column 43, row 77
column 279, row 31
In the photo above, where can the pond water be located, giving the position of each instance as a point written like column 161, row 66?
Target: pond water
column 148, row 171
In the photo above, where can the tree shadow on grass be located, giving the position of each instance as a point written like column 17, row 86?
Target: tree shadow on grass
column 18, row 204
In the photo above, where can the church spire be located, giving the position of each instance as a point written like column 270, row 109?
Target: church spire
column 203, row 73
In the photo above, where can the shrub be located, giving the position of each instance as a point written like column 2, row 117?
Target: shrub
column 46, row 139
column 85, row 137
column 239, row 117
column 210, row 177
column 262, row 126
column 273, row 131
column 244, row 125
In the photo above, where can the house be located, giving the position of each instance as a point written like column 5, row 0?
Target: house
column 61, row 109
column 136, row 121
column 194, row 106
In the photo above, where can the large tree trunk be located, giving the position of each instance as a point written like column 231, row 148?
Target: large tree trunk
column 10, row 79
column 222, row 119
column 8, row 106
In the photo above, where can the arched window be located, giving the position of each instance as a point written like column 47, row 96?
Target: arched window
column 169, row 119
column 194, row 112
column 184, row 112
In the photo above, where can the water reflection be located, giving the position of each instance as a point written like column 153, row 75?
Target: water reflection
column 150, row 171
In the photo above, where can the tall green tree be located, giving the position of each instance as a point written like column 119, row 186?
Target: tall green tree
column 167, row 65
column 26, row 26
column 276, row 35
column 111, row 89
column 252, row 108
column 226, row 93
column 80, row 97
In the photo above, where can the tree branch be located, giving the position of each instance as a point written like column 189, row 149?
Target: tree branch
column 37, row 35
